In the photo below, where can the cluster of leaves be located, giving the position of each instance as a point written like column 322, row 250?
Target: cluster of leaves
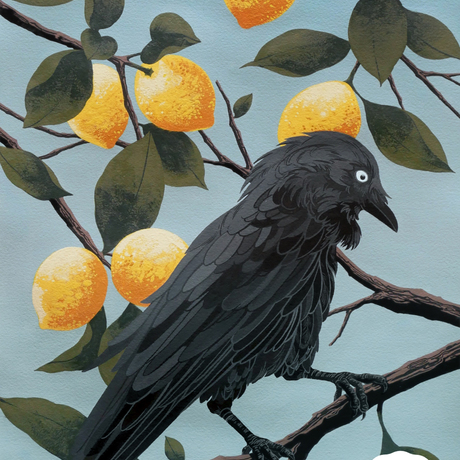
column 378, row 33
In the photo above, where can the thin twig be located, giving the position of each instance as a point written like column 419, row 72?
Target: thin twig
column 351, row 77
column 222, row 159
column 8, row 141
column 393, row 87
column 421, row 76
column 52, row 132
column 349, row 309
column 236, row 131
column 61, row 149
column 127, row 99
column 447, row 76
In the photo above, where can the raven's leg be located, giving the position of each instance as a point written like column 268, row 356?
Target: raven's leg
column 351, row 384
column 262, row 449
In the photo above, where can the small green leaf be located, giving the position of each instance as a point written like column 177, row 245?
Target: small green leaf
column 97, row 47
column 43, row 2
column 82, row 354
column 170, row 33
column 404, row 139
column 430, row 38
column 182, row 162
column 52, row 426
column 378, row 35
column 389, row 446
column 105, row 369
column 129, row 193
column 301, row 52
column 59, row 89
column 101, row 14
column 30, row 174
column 174, row 449
column 242, row 105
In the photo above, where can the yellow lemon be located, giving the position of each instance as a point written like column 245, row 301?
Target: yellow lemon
column 328, row 106
column 69, row 289
column 143, row 261
column 251, row 13
column 104, row 117
column 178, row 96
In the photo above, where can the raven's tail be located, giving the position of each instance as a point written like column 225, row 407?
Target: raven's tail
column 118, row 429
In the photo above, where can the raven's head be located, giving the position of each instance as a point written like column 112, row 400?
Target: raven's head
column 330, row 174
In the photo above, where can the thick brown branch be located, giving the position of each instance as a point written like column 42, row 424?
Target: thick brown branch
column 420, row 74
column 339, row 413
column 62, row 209
column 236, row 131
column 395, row 91
column 222, row 159
column 402, row 300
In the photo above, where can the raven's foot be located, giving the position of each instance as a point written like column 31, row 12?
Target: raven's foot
column 263, row 449
column 352, row 385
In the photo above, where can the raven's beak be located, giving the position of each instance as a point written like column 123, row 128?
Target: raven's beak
column 380, row 210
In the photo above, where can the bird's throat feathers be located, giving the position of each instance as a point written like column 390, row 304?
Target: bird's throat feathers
column 314, row 175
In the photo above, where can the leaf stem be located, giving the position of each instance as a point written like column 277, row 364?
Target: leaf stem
column 351, row 77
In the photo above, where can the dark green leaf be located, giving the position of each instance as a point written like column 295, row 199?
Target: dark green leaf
column 430, row 38
column 101, row 14
column 30, row 174
column 43, row 2
column 389, row 446
column 97, row 47
column 301, row 52
column 51, row 426
column 129, row 193
column 105, row 369
column 182, row 162
column 378, row 35
column 59, row 89
column 174, row 449
column 81, row 355
column 170, row 33
column 242, row 105
column 404, row 139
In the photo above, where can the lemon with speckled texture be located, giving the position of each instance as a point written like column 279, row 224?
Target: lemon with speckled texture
column 178, row 96
column 250, row 13
column 143, row 261
column 328, row 106
column 69, row 288
column 104, row 117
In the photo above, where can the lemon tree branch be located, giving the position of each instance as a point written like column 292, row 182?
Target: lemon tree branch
column 62, row 209
column 234, row 128
column 422, row 75
column 339, row 413
column 61, row 149
column 395, row 91
column 52, row 132
column 222, row 160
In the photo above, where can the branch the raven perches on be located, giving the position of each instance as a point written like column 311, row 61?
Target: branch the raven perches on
column 247, row 300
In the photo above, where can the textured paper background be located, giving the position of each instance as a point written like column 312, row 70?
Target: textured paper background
column 424, row 253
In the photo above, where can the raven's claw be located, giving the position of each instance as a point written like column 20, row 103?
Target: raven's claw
column 263, row 449
column 352, row 385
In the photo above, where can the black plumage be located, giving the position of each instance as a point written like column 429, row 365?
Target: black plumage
column 247, row 300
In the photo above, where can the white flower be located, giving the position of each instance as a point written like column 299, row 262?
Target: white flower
column 400, row 455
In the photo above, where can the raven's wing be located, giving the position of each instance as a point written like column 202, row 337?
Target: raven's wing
column 216, row 311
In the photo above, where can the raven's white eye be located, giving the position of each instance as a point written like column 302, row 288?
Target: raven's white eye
column 362, row 176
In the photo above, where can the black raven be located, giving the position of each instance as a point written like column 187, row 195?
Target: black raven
column 247, row 300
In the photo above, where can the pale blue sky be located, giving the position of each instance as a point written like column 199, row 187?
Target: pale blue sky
column 424, row 253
